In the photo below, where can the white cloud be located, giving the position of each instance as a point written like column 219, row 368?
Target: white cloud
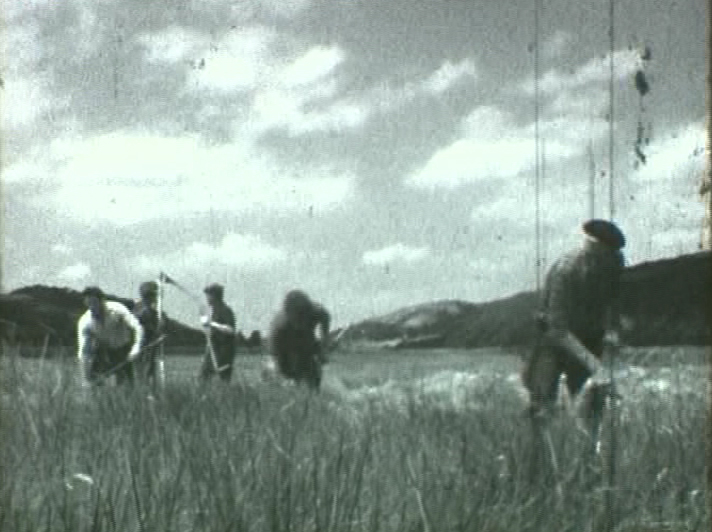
column 596, row 70
column 234, row 62
column 675, row 156
column 467, row 160
column 388, row 97
column 238, row 251
column 394, row 253
column 285, row 109
column 448, row 74
column 666, row 216
column 75, row 273
column 493, row 146
column 314, row 65
column 26, row 93
column 298, row 94
column 172, row 45
column 128, row 177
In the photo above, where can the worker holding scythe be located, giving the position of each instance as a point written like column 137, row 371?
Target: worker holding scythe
column 150, row 316
column 578, row 318
column 219, row 327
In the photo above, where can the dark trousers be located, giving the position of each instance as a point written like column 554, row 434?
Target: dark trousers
column 104, row 361
column 301, row 365
column 544, row 367
column 225, row 357
column 147, row 365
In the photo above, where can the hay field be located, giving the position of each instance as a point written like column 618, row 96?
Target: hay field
column 396, row 441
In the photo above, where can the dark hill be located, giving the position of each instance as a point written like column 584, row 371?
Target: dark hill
column 666, row 302
column 38, row 313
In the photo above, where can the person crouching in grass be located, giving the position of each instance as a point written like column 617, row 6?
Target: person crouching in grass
column 109, row 339
column 579, row 316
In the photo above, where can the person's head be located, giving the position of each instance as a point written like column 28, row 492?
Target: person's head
column 214, row 293
column 149, row 291
column 296, row 304
column 94, row 299
column 605, row 233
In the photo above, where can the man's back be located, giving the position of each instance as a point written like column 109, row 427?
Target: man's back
column 114, row 330
column 579, row 291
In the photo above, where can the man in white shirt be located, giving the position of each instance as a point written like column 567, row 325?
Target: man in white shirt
column 109, row 336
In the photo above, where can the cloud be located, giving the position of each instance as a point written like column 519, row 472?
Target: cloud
column 596, row 70
column 132, row 176
column 75, row 273
column 494, row 147
column 395, row 253
column 675, row 156
column 172, row 45
column 234, row 62
column 26, row 92
column 448, row 74
column 314, row 65
column 666, row 215
column 242, row 252
column 388, row 97
column 285, row 109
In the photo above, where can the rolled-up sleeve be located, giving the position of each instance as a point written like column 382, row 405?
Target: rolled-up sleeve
column 135, row 325
column 83, row 337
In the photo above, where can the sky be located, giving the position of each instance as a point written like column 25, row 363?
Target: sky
column 374, row 153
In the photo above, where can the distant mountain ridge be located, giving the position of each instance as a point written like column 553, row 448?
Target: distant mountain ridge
column 665, row 302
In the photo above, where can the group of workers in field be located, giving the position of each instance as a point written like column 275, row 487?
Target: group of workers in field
column 577, row 316
column 112, row 340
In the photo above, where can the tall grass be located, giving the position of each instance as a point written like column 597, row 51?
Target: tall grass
column 262, row 457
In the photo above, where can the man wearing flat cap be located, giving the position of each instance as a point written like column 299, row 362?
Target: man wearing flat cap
column 219, row 326
column 146, row 310
column 578, row 305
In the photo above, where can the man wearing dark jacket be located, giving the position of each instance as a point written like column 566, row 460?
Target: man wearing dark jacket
column 295, row 349
column 219, row 327
column 579, row 305
column 146, row 310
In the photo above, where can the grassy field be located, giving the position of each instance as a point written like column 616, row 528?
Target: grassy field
column 418, row 441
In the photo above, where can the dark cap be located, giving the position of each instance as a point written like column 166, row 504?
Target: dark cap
column 606, row 232
column 149, row 288
column 214, row 289
column 93, row 291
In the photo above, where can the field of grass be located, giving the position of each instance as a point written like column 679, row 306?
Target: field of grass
column 419, row 441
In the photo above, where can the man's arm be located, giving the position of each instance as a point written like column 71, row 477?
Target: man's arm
column 84, row 342
column 227, row 322
column 135, row 325
column 324, row 321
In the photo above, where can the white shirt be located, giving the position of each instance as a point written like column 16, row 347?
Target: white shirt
column 119, row 328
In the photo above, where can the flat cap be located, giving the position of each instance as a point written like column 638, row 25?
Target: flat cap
column 148, row 288
column 215, row 289
column 606, row 232
column 93, row 291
